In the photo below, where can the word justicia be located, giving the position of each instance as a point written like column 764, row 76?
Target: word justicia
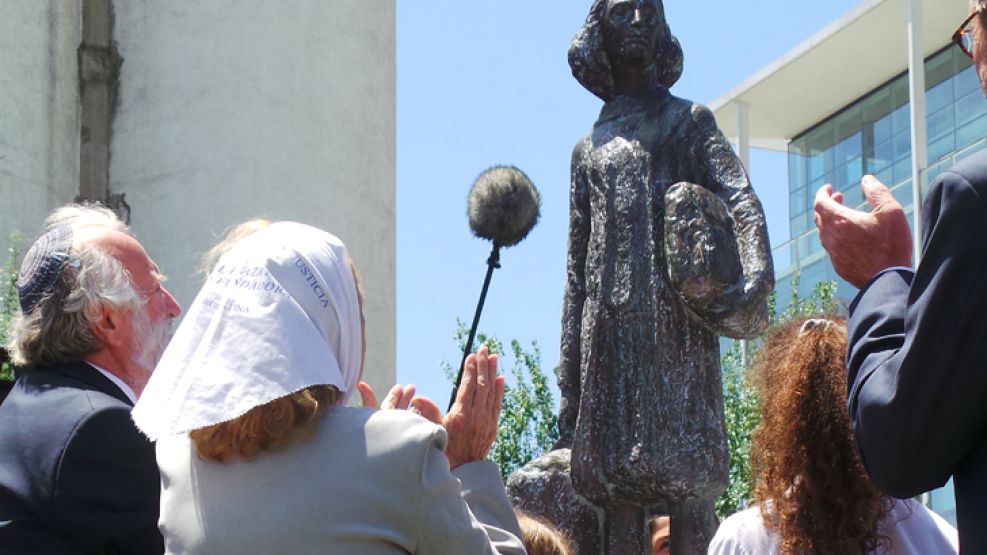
column 312, row 281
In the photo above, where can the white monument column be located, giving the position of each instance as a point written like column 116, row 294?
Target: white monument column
column 235, row 109
column 39, row 124
column 916, row 93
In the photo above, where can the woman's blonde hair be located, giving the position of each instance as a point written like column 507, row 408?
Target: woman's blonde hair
column 268, row 427
column 541, row 538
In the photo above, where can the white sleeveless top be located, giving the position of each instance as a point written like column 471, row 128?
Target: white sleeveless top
column 911, row 528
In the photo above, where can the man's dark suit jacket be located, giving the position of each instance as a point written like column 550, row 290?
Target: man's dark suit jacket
column 76, row 476
column 917, row 358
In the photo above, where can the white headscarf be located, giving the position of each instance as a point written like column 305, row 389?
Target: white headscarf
column 279, row 313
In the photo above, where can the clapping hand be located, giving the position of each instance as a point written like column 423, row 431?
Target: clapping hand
column 861, row 244
column 471, row 422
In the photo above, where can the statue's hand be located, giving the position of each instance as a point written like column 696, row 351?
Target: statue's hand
column 704, row 264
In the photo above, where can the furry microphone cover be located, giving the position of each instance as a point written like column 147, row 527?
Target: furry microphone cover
column 503, row 205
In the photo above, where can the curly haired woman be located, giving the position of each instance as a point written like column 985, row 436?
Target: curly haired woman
column 813, row 494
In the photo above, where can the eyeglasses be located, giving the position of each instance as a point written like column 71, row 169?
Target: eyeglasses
column 963, row 37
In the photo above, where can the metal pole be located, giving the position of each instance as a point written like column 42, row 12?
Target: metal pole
column 492, row 264
column 916, row 93
column 743, row 133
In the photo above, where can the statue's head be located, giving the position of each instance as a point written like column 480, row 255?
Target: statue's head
column 631, row 32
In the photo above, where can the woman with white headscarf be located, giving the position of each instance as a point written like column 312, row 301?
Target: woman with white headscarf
column 257, row 451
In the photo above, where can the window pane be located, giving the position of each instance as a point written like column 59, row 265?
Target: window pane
column 881, row 158
column 902, row 145
column 971, row 132
column 939, row 99
column 798, row 225
column 902, row 171
column 969, row 107
column 966, row 81
column 819, row 145
column 882, row 129
column 885, row 176
column 798, row 202
column 849, row 142
column 903, row 193
column 938, row 85
column 848, row 175
column 941, row 147
column 796, row 164
column 848, row 149
column 900, row 118
column 940, row 123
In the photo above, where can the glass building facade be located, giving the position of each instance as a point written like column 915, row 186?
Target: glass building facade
column 873, row 136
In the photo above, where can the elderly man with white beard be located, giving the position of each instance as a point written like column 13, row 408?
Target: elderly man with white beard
column 76, row 476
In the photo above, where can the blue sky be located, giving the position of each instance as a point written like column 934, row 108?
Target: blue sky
column 486, row 82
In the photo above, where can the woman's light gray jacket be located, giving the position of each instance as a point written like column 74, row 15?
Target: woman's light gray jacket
column 369, row 482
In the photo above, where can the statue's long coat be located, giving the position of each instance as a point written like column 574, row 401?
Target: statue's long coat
column 639, row 365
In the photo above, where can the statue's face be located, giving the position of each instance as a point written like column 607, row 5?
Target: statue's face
column 630, row 30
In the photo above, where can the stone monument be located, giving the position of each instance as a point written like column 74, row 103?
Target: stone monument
column 668, row 250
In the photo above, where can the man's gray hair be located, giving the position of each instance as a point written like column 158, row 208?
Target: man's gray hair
column 977, row 4
column 59, row 328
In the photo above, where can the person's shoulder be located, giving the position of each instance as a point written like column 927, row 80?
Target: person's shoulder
column 69, row 383
column 973, row 168
column 742, row 533
column 738, row 522
column 913, row 528
column 969, row 172
column 693, row 115
column 55, row 399
column 389, row 430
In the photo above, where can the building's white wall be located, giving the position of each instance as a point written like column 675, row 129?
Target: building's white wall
column 233, row 109
column 39, row 124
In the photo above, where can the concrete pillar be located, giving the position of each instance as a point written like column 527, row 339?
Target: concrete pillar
column 39, row 126
column 920, row 144
column 99, row 66
column 234, row 109
column 743, row 133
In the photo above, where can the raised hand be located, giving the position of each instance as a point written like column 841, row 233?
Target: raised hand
column 399, row 397
column 472, row 421
column 861, row 244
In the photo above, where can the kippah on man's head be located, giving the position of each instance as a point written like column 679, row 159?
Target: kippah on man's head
column 43, row 265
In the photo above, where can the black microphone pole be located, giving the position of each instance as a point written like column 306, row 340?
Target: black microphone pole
column 503, row 206
column 492, row 264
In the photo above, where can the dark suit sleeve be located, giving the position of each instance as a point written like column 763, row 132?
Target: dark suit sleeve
column 106, row 485
column 918, row 351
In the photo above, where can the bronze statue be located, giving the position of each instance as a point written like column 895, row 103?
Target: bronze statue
column 668, row 249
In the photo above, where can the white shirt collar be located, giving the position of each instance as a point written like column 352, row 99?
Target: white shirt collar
column 118, row 382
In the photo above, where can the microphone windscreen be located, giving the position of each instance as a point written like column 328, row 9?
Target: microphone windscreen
column 503, row 205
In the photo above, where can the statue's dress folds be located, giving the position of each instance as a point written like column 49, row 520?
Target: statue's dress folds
column 650, row 417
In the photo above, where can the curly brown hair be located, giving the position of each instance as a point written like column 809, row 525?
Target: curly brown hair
column 267, row 427
column 540, row 537
column 811, row 486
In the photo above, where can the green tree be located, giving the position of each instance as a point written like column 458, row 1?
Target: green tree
column 741, row 407
column 742, row 412
column 527, row 427
column 8, row 298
